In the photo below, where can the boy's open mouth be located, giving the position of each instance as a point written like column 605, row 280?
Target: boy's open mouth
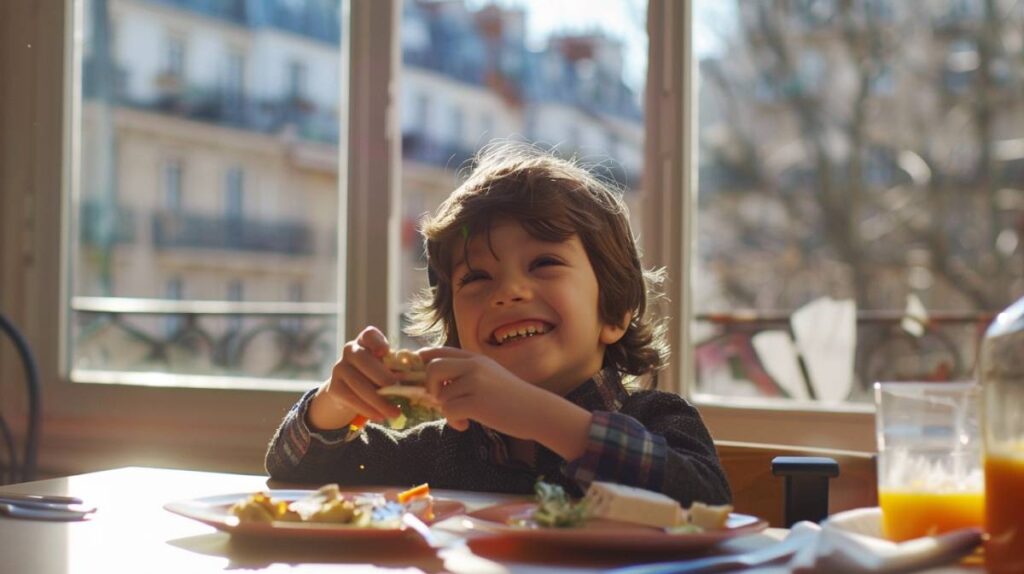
column 519, row 331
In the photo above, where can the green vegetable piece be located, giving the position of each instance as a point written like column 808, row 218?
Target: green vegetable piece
column 555, row 509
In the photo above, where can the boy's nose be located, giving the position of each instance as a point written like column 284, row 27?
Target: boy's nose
column 514, row 292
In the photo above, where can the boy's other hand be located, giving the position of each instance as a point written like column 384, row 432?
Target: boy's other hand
column 358, row 374
column 472, row 386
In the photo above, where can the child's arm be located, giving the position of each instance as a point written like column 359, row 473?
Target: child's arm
column 658, row 442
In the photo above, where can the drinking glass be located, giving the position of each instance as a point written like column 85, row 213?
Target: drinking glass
column 930, row 473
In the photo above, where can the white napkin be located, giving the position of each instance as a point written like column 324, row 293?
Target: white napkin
column 851, row 542
column 826, row 335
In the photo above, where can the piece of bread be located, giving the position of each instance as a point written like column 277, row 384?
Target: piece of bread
column 635, row 505
column 416, row 394
column 406, row 365
column 709, row 517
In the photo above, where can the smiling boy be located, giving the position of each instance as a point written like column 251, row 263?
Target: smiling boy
column 540, row 303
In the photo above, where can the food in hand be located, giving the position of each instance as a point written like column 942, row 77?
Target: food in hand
column 406, row 365
column 635, row 505
column 409, row 394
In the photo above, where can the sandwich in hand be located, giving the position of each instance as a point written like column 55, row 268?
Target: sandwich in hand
column 408, row 394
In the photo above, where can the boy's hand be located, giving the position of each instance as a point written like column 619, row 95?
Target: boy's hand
column 354, row 381
column 472, row 386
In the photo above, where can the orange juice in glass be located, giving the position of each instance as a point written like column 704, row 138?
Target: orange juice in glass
column 930, row 474
column 1004, row 483
column 908, row 514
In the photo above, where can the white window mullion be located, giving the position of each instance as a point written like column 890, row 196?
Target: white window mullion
column 370, row 168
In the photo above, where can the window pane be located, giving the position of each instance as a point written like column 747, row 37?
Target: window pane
column 207, row 193
column 567, row 76
column 861, row 191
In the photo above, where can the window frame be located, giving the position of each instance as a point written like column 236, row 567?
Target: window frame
column 227, row 429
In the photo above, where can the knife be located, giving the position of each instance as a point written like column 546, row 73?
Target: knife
column 64, row 514
column 41, row 504
column 759, row 557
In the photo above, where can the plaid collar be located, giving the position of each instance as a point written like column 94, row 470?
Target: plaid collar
column 603, row 392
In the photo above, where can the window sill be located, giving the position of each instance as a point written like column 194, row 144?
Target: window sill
column 189, row 381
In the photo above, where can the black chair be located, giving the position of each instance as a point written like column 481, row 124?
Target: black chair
column 21, row 467
column 806, row 486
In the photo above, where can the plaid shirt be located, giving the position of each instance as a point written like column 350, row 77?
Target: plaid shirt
column 651, row 439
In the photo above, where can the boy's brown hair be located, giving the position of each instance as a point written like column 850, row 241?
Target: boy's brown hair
column 553, row 199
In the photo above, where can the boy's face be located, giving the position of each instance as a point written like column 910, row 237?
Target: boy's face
column 531, row 286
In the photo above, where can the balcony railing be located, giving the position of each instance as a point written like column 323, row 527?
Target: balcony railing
column 945, row 349
column 117, row 337
column 180, row 230
column 422, row 148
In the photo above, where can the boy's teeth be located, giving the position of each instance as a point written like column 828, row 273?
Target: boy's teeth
column 528, row 331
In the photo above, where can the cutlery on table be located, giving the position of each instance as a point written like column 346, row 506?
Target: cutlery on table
column 44, row 507
column 25, row 511
column 44, row 504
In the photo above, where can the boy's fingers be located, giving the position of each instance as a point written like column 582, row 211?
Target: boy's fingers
column 440, row 371
column 460, row 425
column 366, row 392
column 371, row 367
column 371, row 338
column 428, row 354
column 353, row 401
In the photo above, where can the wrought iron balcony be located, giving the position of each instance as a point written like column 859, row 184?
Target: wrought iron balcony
column 191, row 231
column 943, row 350
column 419, row 147
column 270, row 345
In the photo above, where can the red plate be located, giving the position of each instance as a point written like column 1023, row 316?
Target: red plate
column 605, row 534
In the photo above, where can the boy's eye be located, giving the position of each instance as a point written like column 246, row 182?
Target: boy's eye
column 545, row 261
column 471, row 276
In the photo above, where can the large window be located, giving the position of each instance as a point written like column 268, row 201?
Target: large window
column 856, row 213
column 861, row 192
column 210, row 165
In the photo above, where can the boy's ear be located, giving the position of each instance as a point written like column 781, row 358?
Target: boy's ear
column 610, row 334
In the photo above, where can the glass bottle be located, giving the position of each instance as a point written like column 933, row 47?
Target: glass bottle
column 1002, row 380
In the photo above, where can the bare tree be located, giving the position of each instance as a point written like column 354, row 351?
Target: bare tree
column 873, row 128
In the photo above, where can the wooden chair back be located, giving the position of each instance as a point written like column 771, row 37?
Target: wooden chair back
column 756, row 491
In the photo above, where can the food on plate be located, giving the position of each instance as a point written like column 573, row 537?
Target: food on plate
column 555, row 509
column 709, row 517
column 329, row 505
column 259, row 507
column 418, row 500
column 631, row 504
column 622, row 503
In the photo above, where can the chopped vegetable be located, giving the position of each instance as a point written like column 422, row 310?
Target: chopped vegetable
column 555, row 509
column 413, row 493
